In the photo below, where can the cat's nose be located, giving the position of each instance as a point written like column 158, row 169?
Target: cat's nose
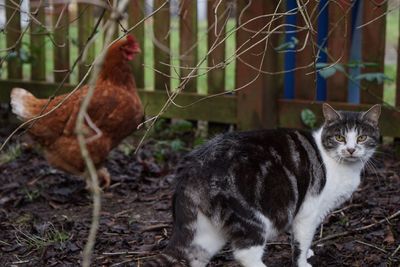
column 351, row 150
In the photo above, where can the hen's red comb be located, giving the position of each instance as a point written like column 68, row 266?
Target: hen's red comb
column 130, row 38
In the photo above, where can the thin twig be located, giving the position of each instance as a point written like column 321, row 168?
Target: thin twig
column 363, row 228
column 371, row 245
column 79, row 128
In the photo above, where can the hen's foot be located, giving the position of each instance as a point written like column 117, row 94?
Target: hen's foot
column 104, row 178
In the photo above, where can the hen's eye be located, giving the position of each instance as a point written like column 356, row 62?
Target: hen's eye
column 361, row 138
column 340, row 138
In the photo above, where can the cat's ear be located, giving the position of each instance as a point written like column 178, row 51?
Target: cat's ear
column 329, row 113
column 372, row 115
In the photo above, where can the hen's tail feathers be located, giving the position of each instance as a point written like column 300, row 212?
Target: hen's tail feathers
column 24, row 104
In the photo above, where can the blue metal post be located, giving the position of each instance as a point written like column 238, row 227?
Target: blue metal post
column 355, row 53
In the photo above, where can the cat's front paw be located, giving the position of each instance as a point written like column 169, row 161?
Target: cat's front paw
column 310, row 253
column 306, row 264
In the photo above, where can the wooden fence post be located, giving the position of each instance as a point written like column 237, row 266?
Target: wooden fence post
column 162, row 48
column 188, row 41
column 306, row 83
column 38, row 49
column 216, row 77
column 85, row 27
column 136, row 14
column 13, row 16
column 397, row 96
column 339, row 47
column 61, row 38
column 374, row 35
column 257, row 100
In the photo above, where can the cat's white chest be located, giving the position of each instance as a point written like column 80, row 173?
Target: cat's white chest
column 341, row 182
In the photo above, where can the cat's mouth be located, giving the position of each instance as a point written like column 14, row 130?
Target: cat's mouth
column 350, row 158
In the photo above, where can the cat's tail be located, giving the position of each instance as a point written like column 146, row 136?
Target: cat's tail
column 185, row 210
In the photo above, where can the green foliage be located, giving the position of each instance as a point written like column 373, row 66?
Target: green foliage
column 23, row 54
column 163, row 148
column 389, row 92
column 31, row 195
column 165, row 130
column 181, row 126
column 308, row 118
column 327, row 70
column 50, row 235
column 199, row 141
column 344, row 221
column 12, row 153
column 289, row 45
column 171, row 137
column 177, row 145
column 359, row 64
column 126, row 148
column 373, row 76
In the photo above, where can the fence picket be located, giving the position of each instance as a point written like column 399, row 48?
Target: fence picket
column 216, row 33
column 13, row 29
column 305, row 83
column 61, row 38
column 397, row 93
column 107, row 14
column 85, row 27
column 37, row 34
column 373, row 36
column 162, row 47
column 188, row 41
column 338, row 47
column 257, row 94
column 136, row 14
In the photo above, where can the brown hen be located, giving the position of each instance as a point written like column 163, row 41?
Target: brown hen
column 114, row 112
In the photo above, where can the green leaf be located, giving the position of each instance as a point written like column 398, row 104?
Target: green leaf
column 308, row 118
column 199, row 141
column 160, row 125
column 12, row 55
column 182, row 126
column 288, row 45
column 24, row 56
column 359, row 64
column 327, row 70
column 177, row 145
column 378, row 77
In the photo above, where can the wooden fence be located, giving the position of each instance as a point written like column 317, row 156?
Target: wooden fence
column 266, row 95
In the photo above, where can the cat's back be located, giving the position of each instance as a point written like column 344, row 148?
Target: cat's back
column 249, row 151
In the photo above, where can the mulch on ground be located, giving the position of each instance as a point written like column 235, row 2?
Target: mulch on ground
column 45, row 214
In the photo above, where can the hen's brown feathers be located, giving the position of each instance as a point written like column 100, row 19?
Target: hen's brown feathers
column 114, row 112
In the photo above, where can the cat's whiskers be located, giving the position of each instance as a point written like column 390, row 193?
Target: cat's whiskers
column 370, row 164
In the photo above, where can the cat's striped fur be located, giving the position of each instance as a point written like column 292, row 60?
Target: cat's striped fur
column 246, row 187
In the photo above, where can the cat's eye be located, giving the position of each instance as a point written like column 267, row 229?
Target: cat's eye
column 361, row 138
column 340, row 138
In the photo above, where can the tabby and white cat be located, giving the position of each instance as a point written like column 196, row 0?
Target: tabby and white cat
column 246, row 187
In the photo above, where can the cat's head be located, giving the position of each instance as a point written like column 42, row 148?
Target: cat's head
column 350, row 136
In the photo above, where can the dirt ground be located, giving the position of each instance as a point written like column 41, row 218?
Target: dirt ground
column 45, row 214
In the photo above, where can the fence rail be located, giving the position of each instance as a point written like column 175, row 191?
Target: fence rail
column 268, row 94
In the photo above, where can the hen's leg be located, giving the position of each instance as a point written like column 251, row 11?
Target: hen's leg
column 104, row 177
